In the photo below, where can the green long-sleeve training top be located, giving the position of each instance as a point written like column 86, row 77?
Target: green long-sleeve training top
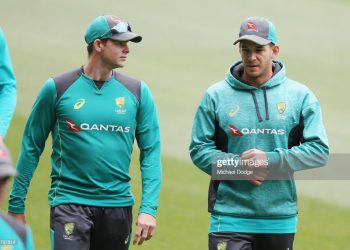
column 93, row 132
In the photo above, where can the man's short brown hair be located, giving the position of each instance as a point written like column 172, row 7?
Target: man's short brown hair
column 90, row 47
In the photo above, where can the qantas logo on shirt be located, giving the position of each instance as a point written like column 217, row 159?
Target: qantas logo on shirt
column 235, row 131
column 255, row 131
column 73, row 127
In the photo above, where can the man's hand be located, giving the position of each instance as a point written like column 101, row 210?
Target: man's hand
column 146, row 227
column 257, row 162
column 20, row 217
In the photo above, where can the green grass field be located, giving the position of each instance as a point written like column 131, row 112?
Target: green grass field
column 187, row 46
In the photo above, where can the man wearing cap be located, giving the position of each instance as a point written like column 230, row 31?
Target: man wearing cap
column 94, row 114
column 7, row 88
column 251, row 132
column 13, row 234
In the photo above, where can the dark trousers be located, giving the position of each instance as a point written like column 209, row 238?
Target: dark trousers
column 250, row 241
column 80, row 227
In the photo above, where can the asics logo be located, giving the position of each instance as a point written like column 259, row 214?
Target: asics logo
column 79, row 104
column 234, row 111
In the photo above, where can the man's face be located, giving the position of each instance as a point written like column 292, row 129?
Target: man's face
column 257, row 61
column 114, row 53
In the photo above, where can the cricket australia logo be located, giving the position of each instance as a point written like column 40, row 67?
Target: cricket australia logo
column 120, row 102
column 222, row 246
column 281, row 107
column 68, row 230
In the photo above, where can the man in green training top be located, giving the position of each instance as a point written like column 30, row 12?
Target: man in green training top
column 94, row 114
column 251, row 132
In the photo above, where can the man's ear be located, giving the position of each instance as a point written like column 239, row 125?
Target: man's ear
column 98, row 45
column 275, row 51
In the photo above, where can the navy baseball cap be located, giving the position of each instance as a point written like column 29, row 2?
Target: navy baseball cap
column 110, row 27
column 258, row 30
column 6, row 167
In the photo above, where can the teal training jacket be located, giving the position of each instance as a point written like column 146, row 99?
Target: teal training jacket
column 282, row 118
column 14, row 235
column 7, row 87
column 93, row 132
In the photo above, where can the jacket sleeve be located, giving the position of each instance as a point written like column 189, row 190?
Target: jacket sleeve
column 7, row 87
column 203, row 148
column 37, row 129
column 313, row 150
column 30, row 242
column 148, row 139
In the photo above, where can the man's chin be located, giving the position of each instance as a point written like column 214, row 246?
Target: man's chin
column 120, row 65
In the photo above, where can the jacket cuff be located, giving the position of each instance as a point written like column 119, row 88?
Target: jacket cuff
column 15, row 210
column 273, row 159
column 148, row 210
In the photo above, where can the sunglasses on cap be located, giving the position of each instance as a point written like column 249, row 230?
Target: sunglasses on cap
column 121, row 27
